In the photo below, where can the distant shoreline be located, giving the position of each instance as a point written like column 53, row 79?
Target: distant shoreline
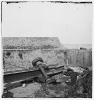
column 77, row 46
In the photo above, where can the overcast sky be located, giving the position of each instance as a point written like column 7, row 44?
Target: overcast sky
column 72, row 23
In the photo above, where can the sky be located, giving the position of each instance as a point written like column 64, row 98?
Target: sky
column 77, row 46
column 71, row 23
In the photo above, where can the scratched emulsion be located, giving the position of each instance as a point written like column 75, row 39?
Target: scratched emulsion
column 68, row 2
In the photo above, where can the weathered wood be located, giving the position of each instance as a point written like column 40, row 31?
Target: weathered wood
column 79, row 57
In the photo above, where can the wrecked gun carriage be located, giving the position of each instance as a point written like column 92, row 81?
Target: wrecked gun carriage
column 42, row 73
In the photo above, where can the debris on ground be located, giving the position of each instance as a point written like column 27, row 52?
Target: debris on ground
column 57, row 89
column 83, row 86
column 81, row 89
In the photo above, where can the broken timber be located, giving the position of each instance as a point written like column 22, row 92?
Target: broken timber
column 16, row 78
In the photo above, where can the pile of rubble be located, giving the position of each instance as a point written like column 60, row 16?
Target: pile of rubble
column 81, row 89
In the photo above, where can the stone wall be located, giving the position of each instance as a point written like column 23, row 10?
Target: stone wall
column 24, row 58
column 30, row 42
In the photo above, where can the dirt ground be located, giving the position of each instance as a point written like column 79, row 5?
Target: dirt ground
column 27, row 91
